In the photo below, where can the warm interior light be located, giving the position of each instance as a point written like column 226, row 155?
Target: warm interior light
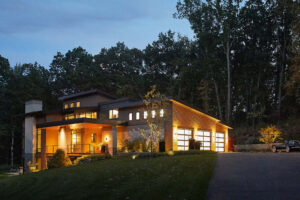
column 106, row 138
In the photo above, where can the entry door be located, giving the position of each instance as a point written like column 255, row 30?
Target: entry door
column 183, row 136
column 220, row 142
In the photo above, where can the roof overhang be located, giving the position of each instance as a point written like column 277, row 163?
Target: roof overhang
column 199, row 112
column 81, row 120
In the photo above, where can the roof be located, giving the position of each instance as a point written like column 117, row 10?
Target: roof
column 128, row 102
column 80, row 120
column 87, row 93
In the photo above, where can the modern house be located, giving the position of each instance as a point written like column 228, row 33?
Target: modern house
column 93, row 118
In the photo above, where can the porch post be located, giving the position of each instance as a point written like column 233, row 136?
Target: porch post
column 114, row 140
column 43, row 149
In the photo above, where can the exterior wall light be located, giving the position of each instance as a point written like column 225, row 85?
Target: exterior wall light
column 106, row 138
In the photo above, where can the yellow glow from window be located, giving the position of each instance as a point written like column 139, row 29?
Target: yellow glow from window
column 94, row 115
column 161, row 113
column 145, row 114
column 82, row 115
column 88, row 115
column 110, row 114
column 113, row 114
column 77, row 104
column 66, row 106
column 153, row 113
column 72, row 105
column 137, row 116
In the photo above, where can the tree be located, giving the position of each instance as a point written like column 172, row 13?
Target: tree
column 270, row 134
column 155, row 106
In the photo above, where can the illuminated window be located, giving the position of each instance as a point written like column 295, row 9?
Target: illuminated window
column 153, row 113
column 77, row 115
column 220, row 142
column 71, row 116
column 82, row 115
column 77, row 104
column 94, row 115
column 113, row 114
column 130, row 116
column 137, row 116
column 39, row 140
column 161, row 113
column 204, row 138
column 72, row 105
column 93, row 137
column 66, row 106
column 145, row 114
column 88, row 115
column 183, row 137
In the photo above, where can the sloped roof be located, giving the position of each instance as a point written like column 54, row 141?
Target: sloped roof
column 86, row 93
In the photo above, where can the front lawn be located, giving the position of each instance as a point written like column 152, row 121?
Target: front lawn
column 175, row 177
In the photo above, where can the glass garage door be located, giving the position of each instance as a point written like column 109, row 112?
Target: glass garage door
column 183, row 136
column 220, row 142
column 204, row 138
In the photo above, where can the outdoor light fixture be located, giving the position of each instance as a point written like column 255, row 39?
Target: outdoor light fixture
column 106, row 139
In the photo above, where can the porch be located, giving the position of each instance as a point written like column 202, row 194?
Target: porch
column 76, row 138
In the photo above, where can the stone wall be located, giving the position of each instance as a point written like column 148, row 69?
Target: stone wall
column 253, row 147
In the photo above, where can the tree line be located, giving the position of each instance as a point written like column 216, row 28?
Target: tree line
column 242, row 67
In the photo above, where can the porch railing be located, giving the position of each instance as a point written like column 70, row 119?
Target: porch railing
column 74, row 149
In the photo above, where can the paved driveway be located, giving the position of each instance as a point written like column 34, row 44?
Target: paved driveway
column 256, row 176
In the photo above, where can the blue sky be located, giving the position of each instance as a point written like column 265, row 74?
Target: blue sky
column 32, row 30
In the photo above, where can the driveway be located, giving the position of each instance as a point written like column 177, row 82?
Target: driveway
column 256, row 176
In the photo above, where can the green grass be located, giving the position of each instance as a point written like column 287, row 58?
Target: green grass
column 174, row 177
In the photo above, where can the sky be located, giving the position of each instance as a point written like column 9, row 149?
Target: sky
column 35, row 30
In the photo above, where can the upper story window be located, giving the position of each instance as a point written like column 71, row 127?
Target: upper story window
column 71, row 105
column 130, row 116
column 145, row 114
column 137, row 116
column 77, row 104
column 66, row 106
column 113, row 114
column 153, row 113
column 161, row 113
column 90, row 115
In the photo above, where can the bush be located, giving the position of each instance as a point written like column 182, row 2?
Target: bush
column 58, row 160
column 194, row 145
column 135, row 145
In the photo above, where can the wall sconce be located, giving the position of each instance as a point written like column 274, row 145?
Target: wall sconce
column 106, row 138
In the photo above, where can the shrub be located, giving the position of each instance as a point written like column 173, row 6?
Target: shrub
column 194, row 145
column 270, row 134
column 58, row 160
column 135, row 145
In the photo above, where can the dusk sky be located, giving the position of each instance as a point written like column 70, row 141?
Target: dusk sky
column 36, row 30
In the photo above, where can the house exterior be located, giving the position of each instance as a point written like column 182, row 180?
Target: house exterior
column 92, row 119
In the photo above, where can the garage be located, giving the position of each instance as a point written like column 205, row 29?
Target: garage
column 220, row 139
column 183, row 136
column 204, row 138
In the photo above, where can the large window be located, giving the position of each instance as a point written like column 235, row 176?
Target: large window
column 39, row 140
column 145, row 114
column 89, row 115
column 137, row 116
column 183, row 136
column 204, row 138
column 220, row 142
column 77, row 104
column 113, row 114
